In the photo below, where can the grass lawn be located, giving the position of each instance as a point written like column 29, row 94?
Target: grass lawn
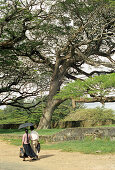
column 21, row 131
column 88, row 145
column 15, row 132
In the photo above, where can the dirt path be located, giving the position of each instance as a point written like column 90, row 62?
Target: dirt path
column 54, row 160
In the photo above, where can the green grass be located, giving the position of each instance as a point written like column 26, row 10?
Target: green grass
column 11, row 131
column 48, row 131
column 87, row 146
column 12, row 141
column 15, row 132
column 21, row 131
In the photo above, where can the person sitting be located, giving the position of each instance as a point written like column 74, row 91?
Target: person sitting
column 28, row 152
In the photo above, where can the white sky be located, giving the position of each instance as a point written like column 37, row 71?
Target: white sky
column 109, row 105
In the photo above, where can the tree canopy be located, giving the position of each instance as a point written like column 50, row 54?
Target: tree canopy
column 44, row 44
column 101, row 88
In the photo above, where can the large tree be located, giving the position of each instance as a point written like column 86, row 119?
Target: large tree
column 55, row 39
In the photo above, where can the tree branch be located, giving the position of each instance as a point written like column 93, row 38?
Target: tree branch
column 95, row 99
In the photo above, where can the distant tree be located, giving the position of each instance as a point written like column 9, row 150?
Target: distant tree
column 18, row 115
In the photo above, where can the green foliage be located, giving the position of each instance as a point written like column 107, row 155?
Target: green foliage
column 71, row 90
column 92, row 117
column 13, row 115
column 96, row 114
column 98, row 85
column 35, row 115
column 16, row 115
column 64, row 109
column 112, row 2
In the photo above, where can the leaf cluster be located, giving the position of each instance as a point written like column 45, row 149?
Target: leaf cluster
column 99, row 85
column 95, row 115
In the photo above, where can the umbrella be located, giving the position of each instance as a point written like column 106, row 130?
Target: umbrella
column 25, row 125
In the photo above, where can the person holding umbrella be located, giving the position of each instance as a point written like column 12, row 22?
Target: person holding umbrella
column 28, row 152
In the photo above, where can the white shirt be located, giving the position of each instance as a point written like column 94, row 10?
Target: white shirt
column 34, row 135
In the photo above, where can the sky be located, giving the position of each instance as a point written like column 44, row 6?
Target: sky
column 108, row 105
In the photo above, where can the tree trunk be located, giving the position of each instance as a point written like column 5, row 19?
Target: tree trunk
column 51, row 105
column 57, row 79
column 45, row 121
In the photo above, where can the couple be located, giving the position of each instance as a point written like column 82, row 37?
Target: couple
column 30, row 150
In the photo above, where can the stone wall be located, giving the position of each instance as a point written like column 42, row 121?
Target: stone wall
column 81, row 133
